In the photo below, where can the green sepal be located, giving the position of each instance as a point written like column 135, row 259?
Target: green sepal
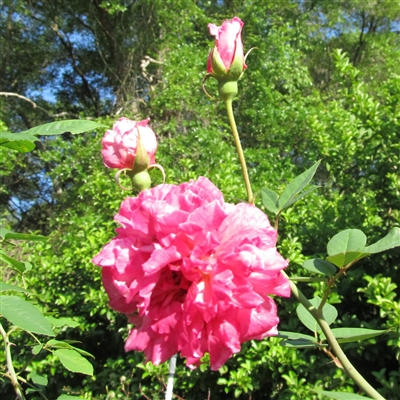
column 217, row 65
column 142, row 160
column 236, row 69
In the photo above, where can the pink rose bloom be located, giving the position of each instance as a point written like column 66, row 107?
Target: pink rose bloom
column 228, row 49
column 193, row 273
column 119, row 144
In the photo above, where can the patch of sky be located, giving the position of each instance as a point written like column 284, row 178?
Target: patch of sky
column 44, row 194
column 82, row 39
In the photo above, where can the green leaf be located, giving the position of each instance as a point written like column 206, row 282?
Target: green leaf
column 300, row 343
column 328, row 311
column 347, row 335
column 343, row 259
column 296, row 186
column 38, row 380
column 342, row 395
column 57, row 128
column 58, row 344
column 295, row 335
column 319, row 266
column 30, row 390
column 73, row 361
column 24, row 315
column 37, row 349
column 7, row 234
column 346, row 247
column 298, row 340
column 4, row 287
column 391, row 240
column 346, row 241
column 21, row 141
column 270, row 200
column 59, row 322
column 301, row 195
column 68, row 397
column 15, row 264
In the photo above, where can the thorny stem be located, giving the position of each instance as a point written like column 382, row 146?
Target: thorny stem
column 41, row 394
column 228, row 104
column 347, row 366
column 10, row 367
column 332, row 281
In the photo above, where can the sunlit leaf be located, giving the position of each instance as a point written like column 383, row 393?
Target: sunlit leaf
column 21, row 141
column 347, row 335
column 320, row 266
column 346, row 241
column 37, row 349
column 24, row 315
column 59, row 322
column 4, row 287
column 38, row 380
column 73, row 361
column 270, row 200
column 13, row 263
column 301, row 195
column 391, row 240
column 328, row 311
column 296, row 186
column 57, row 128
column 343, row 259
column 66, row 344
column 6, row 234
column 295, row 335
column 298, row 340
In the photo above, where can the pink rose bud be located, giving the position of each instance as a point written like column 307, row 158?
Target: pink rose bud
column 226, row 59
column 121, row 144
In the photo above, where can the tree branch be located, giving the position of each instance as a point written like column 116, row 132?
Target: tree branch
column 67, row 45
column 34, row 105
column 361, row 38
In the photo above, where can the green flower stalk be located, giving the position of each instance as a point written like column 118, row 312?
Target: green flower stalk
column 239, row 149
column 226, row 63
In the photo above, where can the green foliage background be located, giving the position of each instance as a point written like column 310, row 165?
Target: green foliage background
column 323, row 83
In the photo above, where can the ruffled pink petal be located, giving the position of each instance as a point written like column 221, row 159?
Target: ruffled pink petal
column 193, row 272
column 119, row 144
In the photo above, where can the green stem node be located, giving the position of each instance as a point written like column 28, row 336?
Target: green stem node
column 141, row 180
column 227, row 89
